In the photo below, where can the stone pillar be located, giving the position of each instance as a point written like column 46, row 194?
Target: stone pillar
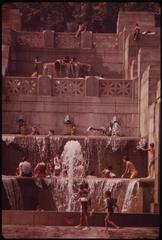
column 44, row 86
column 86, row 40
column 48, row 38
column 92, row 86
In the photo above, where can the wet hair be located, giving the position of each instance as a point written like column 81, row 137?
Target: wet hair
column 110, row 167
column 151, row 144
column 108, row 193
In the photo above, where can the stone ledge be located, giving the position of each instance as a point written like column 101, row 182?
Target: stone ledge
column 52, row 218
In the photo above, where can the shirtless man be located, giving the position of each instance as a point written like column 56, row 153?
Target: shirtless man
column 151, row 165
column 130, row 169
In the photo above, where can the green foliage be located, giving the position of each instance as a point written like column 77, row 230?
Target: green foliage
column 98, row 16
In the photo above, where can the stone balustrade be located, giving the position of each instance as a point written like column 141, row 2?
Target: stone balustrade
column 67, row 40
column 89, row 86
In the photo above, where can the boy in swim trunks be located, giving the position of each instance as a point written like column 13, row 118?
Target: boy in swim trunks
column 110, row 205
column 83, row 196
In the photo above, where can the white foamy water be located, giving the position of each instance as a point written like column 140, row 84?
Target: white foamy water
column 130, row 196
column 13, row 192
column 72, row 157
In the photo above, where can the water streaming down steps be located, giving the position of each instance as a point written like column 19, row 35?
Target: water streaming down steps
column 63, row 189
column 13, row 192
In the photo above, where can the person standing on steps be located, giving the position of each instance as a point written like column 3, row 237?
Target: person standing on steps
column 136, row 33
column 151, row 165
column 37, row 66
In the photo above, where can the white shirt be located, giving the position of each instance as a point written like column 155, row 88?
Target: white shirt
column 25, row 167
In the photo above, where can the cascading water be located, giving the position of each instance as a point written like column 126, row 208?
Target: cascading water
column 130, row 196
column 87, row 150
column 13, row 192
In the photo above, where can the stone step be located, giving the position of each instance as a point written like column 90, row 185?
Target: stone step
column 52, row 218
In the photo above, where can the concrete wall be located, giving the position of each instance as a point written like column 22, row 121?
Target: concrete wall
column 144, row 103
column 49, row 112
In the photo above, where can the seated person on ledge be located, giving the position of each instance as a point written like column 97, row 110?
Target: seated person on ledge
column 73, row 129
column 130, row 169
column 40, row 169
column 34, row 131
column 107, row 173
column 24, row 169
column 51, row 132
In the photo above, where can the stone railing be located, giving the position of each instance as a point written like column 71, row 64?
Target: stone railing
column 87, row 40
column 30, row 39
column 69, row 87
column 115, row 88
column 21, row 86
column 66, row 40
column 89, row 86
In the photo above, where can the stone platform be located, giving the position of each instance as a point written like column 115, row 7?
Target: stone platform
column 44, row 232
column 53, row 218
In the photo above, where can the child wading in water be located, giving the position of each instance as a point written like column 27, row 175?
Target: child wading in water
column 110, row 205
column 83, row 196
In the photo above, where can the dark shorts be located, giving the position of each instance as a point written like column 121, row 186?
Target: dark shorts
column 84, row 206
column 26, row 174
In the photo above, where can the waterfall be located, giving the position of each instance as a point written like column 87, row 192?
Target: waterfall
column 130, row 196
column 13, row 192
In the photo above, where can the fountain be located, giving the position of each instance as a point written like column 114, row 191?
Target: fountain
column 75, row 151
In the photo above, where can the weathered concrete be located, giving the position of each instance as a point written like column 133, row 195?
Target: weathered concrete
column 44, row 232
column 51, row 218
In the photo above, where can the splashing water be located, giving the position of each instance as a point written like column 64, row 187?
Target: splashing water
column 130, row 195
column 72, row 158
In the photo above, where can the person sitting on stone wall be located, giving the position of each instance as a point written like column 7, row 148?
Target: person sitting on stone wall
column 24, row 129
column 34, row 131
column 40, row 169
column 81, row 28
column 111, row 174
column 105, row 173
column 24, row 169
column 130, row 169
column 73, row 130
column 20, row 122
column 136, row 32
column 51, row 132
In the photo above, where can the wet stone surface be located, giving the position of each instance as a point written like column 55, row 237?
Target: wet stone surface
column 45, row 232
